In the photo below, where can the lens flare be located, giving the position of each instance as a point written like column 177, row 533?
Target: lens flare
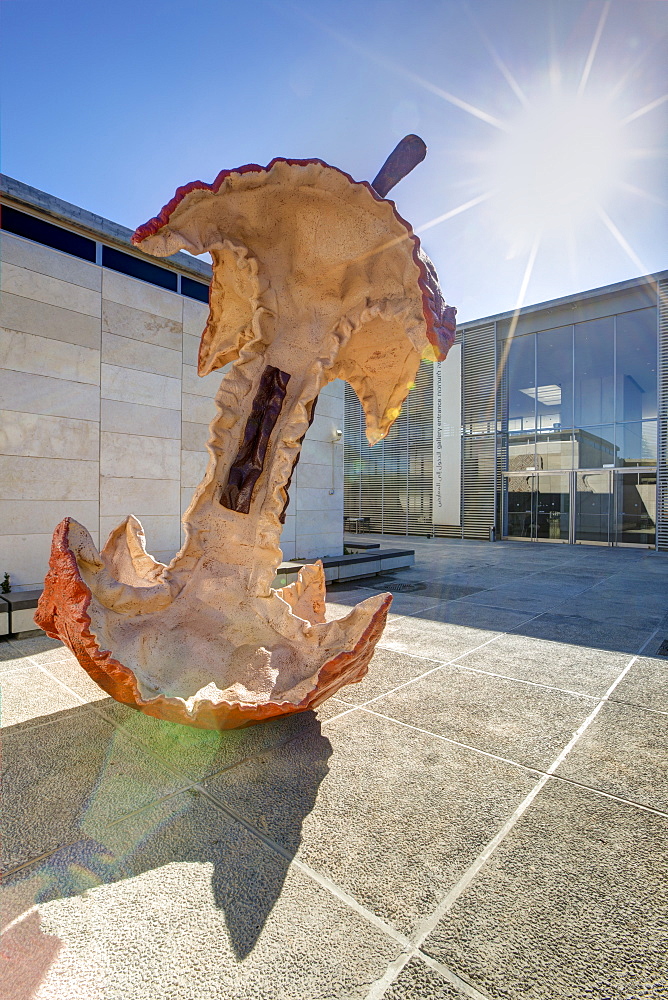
column 561, row 158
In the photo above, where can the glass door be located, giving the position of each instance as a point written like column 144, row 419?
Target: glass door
column 594, row 508
column 538, row 506
column 520, row 505
column 635, row 506
column 553, row 506
column 600, row 507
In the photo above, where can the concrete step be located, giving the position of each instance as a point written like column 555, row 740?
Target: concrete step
column 350, row 567
column 18, row 611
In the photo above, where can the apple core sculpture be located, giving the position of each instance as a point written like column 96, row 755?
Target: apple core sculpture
column 315, row 277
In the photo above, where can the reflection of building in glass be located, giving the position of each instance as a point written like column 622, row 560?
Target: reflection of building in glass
column 563, row 427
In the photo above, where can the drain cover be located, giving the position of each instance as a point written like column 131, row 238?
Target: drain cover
column 400, row 588
column 663, row 648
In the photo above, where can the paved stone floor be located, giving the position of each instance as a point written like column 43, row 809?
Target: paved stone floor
column 484, row 816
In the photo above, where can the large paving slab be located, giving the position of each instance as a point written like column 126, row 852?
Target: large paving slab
column 471, row 615
column 582, row 631
column 624, row 751
column 645, row 684
column 180, row 901
column 417, row 981
column 392, row 815
column 523, row 722
column 558, row 664
column 434, row 640
column 388, row 670
column 71, row 776
column 196, row 753
column 28, row 693
column 615, row 611
column 572, row 904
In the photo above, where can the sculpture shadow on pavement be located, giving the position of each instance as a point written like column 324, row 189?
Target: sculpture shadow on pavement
column 88, row 805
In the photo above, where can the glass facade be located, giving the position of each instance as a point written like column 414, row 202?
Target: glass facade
column 564, row 428
column 582, row 406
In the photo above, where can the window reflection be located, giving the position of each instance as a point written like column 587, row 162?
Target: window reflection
column 595, row 446
column 554, row 378
column 581, row 406
column 521, row 385
column 521, row 403
column 636, row 365
column 593, row 506
column 554, row 450
column 520, row 496
column 584, row 396
column 594, row 372
column 552, row 507
column 637, row 443
column 636, row 508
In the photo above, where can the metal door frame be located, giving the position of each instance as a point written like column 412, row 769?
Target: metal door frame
column 613, row 515
column 636, row 545
column 612, row 508
column 533, row 474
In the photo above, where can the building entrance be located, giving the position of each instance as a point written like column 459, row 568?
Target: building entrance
column 593, row 507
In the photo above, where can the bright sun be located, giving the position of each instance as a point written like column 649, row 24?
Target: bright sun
column 555, row 163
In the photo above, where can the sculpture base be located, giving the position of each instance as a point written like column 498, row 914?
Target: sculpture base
column 68, row 610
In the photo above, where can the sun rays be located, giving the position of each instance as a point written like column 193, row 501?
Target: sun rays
column 555, row 167
column 569, row 144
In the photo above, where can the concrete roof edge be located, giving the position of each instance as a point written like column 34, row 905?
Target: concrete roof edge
column 589, row 293
column 96, row 226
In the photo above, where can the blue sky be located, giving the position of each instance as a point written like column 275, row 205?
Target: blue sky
column 544, row 119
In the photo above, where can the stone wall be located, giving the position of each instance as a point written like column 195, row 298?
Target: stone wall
column 103, row 414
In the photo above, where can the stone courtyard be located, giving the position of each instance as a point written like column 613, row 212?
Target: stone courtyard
column 484, row 816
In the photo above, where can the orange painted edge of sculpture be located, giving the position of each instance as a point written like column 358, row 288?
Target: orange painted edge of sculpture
column 62, row 612
column 439, row 317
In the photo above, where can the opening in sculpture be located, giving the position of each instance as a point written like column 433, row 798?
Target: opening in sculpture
column 315, row 277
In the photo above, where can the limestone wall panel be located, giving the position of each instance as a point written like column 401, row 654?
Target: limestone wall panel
column 162, row 531
column 310, row 476
column 24, row 478
column 23, row 352
column 194, row 436
column 44, row 288
column 186, row 497
column 44, row 436
column 26, row 558
column 55, row 396
column 132, row 418
column 195, row 315
column 30, row 316
column 206, row 385
column 323, row 427
column 288, row 533
column 190, row 349
column 330, row 406
column 121, row 496
column 129, row 353
column 310, row 522
column 316, row 452
column 132, row 386
column 312, row 499
column 141, row 295
column 315, row 546
column 198, row 409
column 135, row 456
column 42, row 516
column 193, row 467
column 141, row 325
